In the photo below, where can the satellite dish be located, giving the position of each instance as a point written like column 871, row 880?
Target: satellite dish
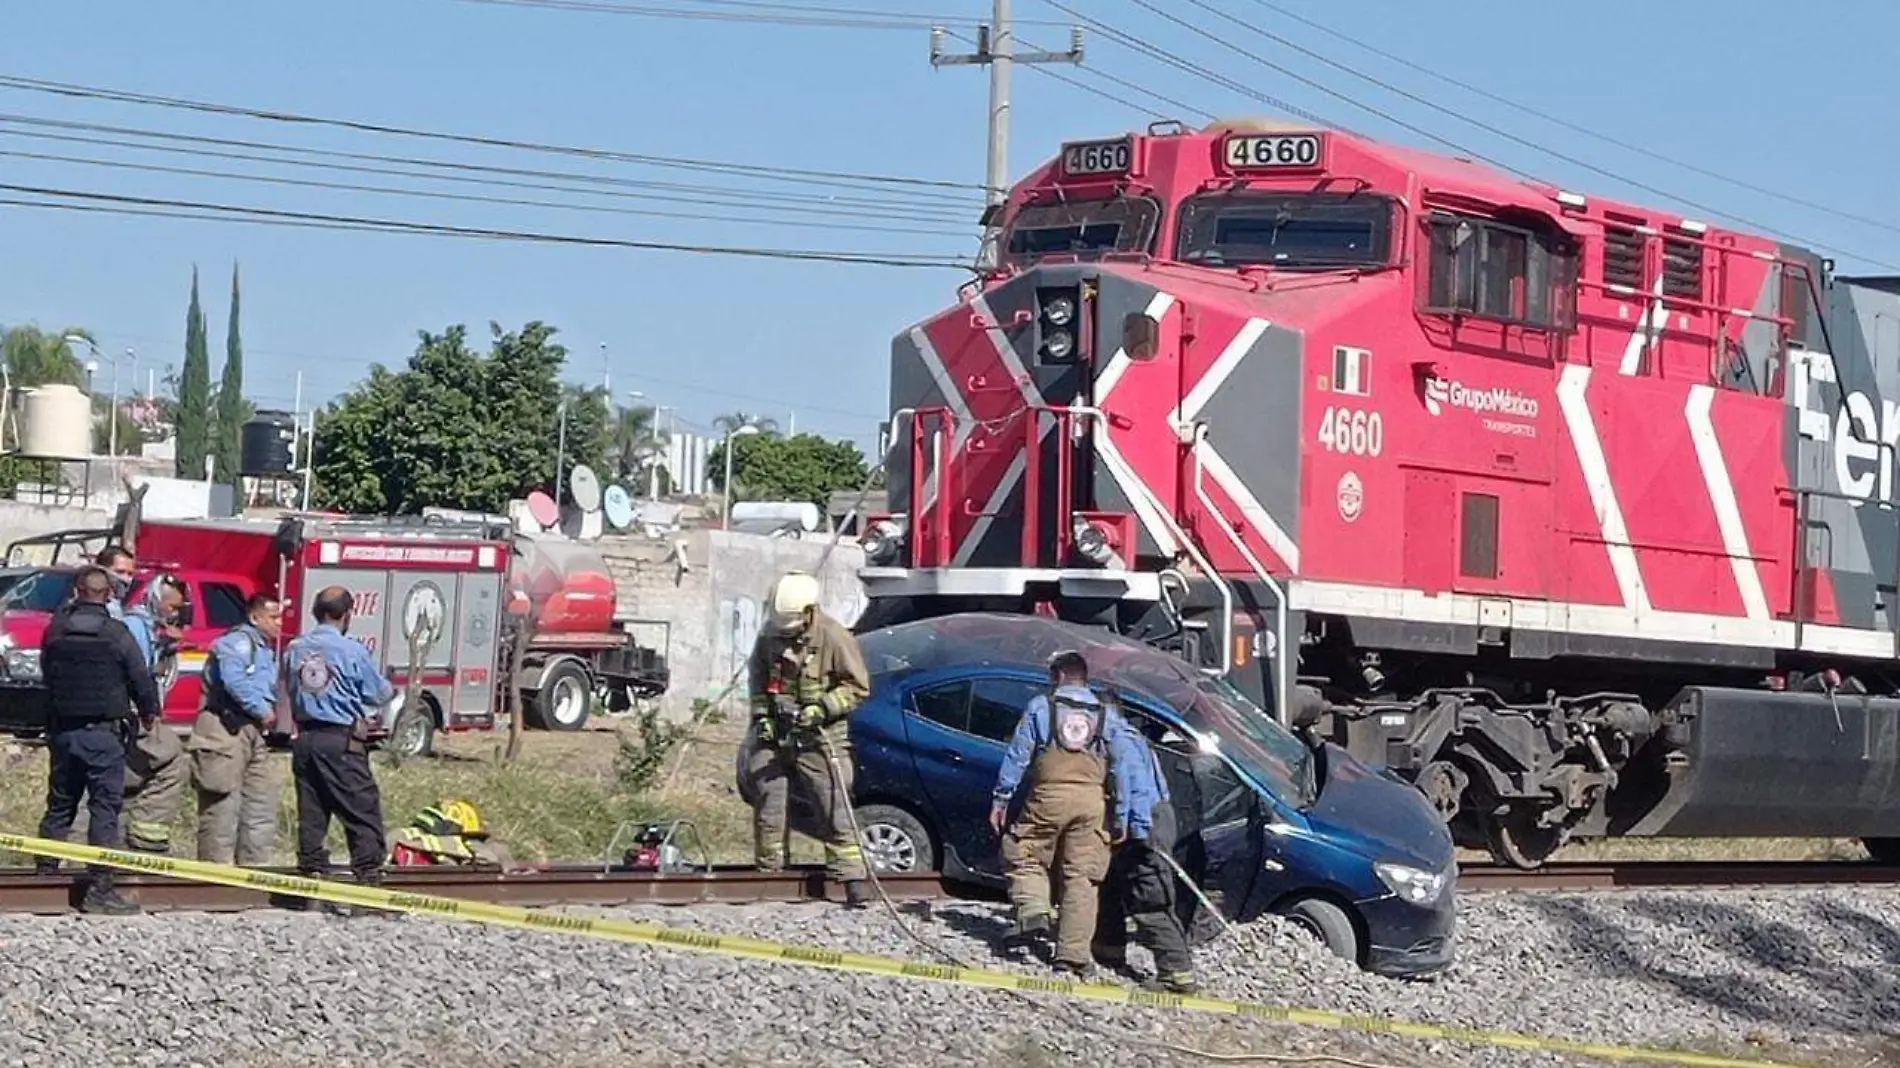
column 585, row 488
column 542, row 510
column 618, row 504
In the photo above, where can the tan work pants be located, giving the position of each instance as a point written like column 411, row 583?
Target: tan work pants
column 1060, row 833
column 155, row 772
column 776, row 770
column 238, row 790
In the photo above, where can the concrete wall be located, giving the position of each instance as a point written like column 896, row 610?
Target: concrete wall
column 24, row 519
column 715, row 604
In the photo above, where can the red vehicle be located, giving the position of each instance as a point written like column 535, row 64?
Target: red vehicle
column 1577, row 513
column 431, row 600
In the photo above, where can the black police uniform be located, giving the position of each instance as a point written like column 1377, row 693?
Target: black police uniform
column 95, row 674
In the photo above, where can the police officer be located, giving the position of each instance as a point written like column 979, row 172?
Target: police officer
column 155, row 770
column 95, row 677
column 1071, row 741
column 1140, row 886
column 230, row 755
column 806, row 675
column 332, row 684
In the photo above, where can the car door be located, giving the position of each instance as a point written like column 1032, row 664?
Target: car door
column 212, row 609
column 958, row 731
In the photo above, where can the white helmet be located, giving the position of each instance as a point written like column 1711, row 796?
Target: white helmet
column 792, row 594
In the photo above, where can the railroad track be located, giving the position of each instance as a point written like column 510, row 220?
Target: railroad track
column 23, row 892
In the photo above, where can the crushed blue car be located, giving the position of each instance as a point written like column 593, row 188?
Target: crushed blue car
column 1269, row 824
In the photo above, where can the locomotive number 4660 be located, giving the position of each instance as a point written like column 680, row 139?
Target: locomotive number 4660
column 1352, row 431
column 1097, row 157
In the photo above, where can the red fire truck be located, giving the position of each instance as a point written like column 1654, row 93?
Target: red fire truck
column 434, row 602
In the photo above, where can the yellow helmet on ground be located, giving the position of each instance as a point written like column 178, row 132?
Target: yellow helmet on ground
column 464, row 815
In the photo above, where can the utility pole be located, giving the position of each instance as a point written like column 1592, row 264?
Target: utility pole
column 996, row 48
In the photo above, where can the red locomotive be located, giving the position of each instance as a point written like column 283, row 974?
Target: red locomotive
column 1577, row 513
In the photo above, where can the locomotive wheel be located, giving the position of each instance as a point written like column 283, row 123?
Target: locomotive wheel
column 1514, row 838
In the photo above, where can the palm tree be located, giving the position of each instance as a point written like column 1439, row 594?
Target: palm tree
column 635, row 443
column 37, row 358
column 732, row 421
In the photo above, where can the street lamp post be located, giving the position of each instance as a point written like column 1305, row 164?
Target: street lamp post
column 112, row 418
column 748, row 428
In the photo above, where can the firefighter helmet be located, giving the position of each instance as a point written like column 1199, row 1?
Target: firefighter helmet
column 450, row 818
column 792, row 595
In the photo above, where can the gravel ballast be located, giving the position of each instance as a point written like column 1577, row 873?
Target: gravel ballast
column 1810, row 976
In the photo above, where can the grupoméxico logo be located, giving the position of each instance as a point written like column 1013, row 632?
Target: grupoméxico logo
column 1441, row 393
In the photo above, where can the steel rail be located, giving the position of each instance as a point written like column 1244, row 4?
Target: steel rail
column 23, row 892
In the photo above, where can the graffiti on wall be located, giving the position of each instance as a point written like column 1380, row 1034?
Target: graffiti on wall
column 840, row 595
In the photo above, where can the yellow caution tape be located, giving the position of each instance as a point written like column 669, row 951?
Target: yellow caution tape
column 654, row 934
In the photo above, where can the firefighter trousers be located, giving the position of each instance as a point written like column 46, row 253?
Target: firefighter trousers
column 801, row 764
column 238, row 786
column 1140, row 891
column 1060, row 833
column 155, row 773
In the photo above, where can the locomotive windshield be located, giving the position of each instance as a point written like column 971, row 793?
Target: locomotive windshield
column 1090, row 227
column 1313, row 230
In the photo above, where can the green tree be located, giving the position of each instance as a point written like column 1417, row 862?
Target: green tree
column 194, row 393
column 805, row 467
column 457, row 428
column 231, row 412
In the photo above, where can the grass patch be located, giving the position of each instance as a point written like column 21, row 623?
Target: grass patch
column 561, row 800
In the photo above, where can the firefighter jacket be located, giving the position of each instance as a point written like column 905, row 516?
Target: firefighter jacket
column 1093, row 752
column 818, row 666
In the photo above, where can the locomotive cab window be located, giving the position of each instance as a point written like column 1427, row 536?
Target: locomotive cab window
column 1314, row 231
column 1521, row 274
column 1082, row 228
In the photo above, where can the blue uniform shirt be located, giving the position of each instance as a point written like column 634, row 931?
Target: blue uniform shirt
column 244, row 666
column 1141, row 787
column 1032, row 736
column 331, row 678
column 144, row 631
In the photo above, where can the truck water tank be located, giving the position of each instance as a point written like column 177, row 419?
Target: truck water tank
column 55, row 423
column 802, row 513
column 267, row 445
column 568, row 584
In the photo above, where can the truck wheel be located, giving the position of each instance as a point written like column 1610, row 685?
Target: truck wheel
column 1325, row 921
column 413, row 736
column 565, row 698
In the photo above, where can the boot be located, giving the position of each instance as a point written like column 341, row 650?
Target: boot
column 1172, row 983
column 1028, row 930
column 46, row 865
column 103, row 898
column 854, row 895
column 1075, row 971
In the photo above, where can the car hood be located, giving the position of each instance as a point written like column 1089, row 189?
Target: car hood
column 1391, row 819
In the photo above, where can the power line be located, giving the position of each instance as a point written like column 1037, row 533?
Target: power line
column 778, row 173
column 1096, row 90
column 1574, row 127
column 111, row 203
column 355, row 187
column 819, row 203
column 751, row 12
column 1452, row 113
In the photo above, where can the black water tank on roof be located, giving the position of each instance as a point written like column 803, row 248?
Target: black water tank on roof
column 267, row 445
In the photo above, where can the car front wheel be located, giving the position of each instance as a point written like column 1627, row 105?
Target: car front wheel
column 1328, row 922
column 895, row 842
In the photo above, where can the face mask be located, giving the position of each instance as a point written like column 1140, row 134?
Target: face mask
column 120, row 584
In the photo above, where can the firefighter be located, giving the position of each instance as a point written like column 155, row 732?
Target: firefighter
column 332, row 684
column 100, row 690
column 231, row 762
column 155, row 769
column 1140, row 886
column 1072, row 743
column 449, row 833
column 806, row 675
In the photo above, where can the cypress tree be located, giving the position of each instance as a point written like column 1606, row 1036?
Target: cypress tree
column 194, row 393
column 230, row 395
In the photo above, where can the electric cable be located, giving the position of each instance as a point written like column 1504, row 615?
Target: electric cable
column 1574, row 127
column 913, row 206
column 466, row 197
column 779, row 173
column 122, row 204
column 1097, row 90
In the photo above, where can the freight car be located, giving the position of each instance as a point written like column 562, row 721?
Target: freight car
column 1578, row 513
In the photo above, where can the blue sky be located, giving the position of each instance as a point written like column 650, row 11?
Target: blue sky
column 1775, row 95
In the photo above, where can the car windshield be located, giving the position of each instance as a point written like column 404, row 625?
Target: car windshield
column 41, row 591
column 1262, row 748
column 1090, row 227
column 1311, row 230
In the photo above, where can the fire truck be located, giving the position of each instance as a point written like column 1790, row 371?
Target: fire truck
column 437, row 602
column 1577, row 513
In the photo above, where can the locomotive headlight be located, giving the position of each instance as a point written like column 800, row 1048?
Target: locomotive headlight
column 882, row 541
column 1059, row 344
column 1059, row 312
column 1414, row 885
column 1092, row 541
